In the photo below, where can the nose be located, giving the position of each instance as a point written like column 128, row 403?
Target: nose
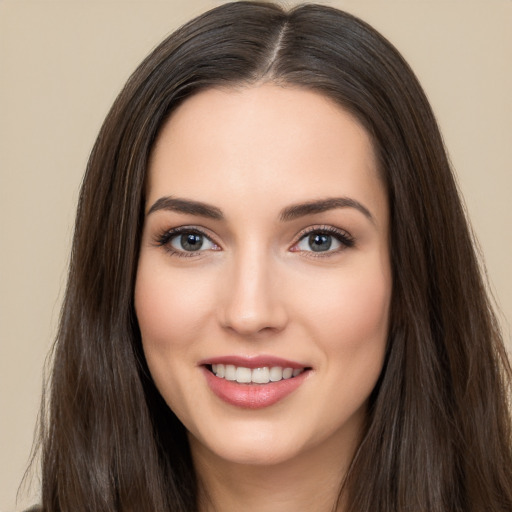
column 253, row 299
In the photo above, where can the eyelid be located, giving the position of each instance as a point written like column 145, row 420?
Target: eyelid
column 164, row 237
column 341, row 235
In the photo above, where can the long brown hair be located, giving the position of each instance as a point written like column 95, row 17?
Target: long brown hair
column 438, row 434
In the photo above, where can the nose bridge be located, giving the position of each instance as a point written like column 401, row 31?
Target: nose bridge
column 253, row 302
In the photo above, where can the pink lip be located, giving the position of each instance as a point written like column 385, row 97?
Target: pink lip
column 252, row 396
column 253, row 362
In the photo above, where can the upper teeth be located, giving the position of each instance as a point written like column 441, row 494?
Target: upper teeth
column 262, row 375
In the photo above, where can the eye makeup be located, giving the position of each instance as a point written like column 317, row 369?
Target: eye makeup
column 185, row 241
column 323, row 241
column 314, row 241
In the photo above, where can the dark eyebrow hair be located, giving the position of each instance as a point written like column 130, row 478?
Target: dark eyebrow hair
column 322, row 205
column 287, row 214
column 186, row 206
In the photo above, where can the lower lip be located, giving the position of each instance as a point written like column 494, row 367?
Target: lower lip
column 252, row 396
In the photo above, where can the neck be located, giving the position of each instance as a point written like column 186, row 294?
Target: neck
column 310, row 481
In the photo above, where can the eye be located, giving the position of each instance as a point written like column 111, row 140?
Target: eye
column 186, row 242
column 191, row 242
column 318, row 242
column 327, row 240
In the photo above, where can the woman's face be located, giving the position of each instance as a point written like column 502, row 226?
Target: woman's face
column 264, row 259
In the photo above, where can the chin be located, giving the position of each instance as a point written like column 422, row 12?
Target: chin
column 250, row 446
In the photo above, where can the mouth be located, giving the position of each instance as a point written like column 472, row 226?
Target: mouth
column 260, row 375
column 253, row 382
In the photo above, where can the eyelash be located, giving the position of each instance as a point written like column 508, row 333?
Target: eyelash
column 164, row 239
column 343, row 237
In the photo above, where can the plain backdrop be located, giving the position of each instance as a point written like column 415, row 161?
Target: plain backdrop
column 63, row 62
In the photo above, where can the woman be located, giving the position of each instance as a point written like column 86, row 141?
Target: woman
column 273, row 300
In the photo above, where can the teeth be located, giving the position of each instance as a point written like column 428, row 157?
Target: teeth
column 230, row 372
column 287, row 373
column 262, row 375
column 243, row 375
column 276, row 373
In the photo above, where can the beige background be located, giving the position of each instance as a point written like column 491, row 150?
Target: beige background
column 62, row 64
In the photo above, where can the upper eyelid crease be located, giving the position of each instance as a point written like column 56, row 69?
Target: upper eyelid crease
column 171, row 233
column 340, row 234
column 289, row 213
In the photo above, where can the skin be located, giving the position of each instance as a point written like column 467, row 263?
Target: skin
column 259, row 288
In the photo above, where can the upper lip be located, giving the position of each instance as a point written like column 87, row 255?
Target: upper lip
column 259, row 361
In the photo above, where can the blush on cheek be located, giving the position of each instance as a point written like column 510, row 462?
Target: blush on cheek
column 355, row 324
column 167, row 310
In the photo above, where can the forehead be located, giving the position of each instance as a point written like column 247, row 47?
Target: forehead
column 283, row 144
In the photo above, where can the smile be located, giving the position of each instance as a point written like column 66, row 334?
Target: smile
column 263, row 375
column 253, row 382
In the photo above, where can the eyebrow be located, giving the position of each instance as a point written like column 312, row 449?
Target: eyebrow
column 187, row 206
column 289, row 213
column 310, row 208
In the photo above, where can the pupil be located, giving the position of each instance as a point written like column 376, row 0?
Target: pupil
column 191, row 242
column 320, row 242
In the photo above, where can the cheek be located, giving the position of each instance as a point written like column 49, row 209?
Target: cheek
column 352, row 322
column 170, row 307
column 171, row 311
column 351, row 311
